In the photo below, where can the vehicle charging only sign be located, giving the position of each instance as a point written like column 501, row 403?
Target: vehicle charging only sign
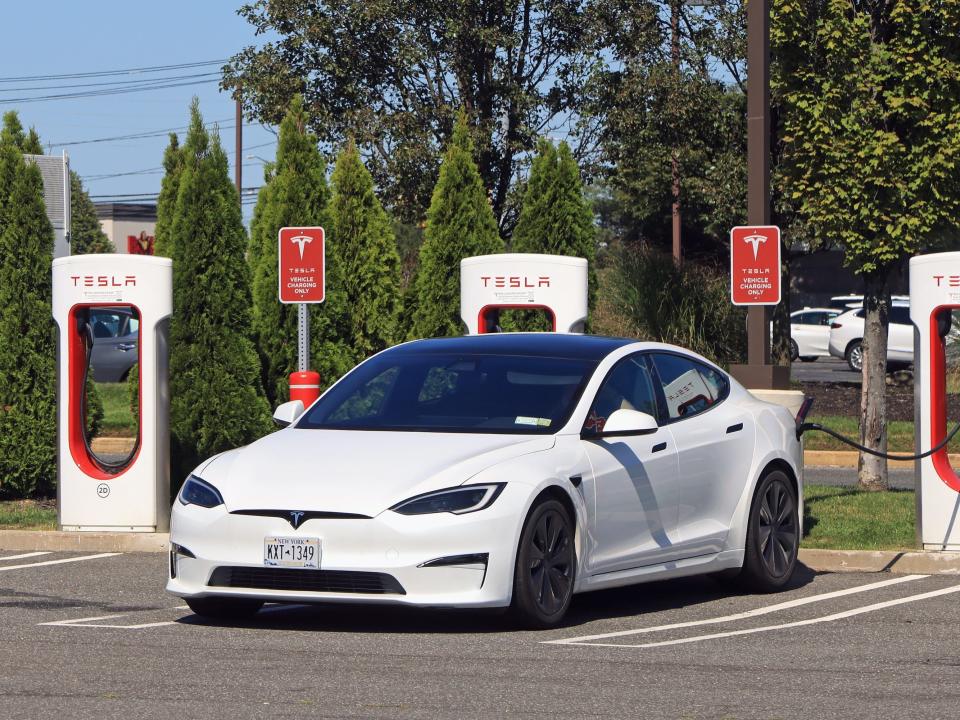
column 301, row 258
column 755, row 265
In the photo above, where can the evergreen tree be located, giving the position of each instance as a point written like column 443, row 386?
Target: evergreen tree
column 364, row 236
column 86, row 235
column 296, row 194
column 27, row 348
column 556, row 218
column 217, row 401
column 167, row 200
column 460, row 224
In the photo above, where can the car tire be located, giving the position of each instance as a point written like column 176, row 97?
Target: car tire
column 222, row 608
column 794, row 351
column 773, row 534
column 854, row 356
column 808, row 358
column 546, row 567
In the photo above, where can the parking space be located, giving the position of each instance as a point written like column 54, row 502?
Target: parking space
column 825, row 370
column 94, row 635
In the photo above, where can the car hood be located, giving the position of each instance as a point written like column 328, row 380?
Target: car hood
column 363, row 472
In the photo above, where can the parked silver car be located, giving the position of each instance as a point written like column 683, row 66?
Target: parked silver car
column 116, row 338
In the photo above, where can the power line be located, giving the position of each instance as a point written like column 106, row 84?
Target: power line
column 100, row 93
column 133, row 197
column 111, row 73
column 139, row 135
column 111, row 83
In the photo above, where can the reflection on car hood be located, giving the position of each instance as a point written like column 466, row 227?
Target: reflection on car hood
column 363, row 472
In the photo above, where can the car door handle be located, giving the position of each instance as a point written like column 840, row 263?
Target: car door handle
column 659, row 446
column 127, row 346
column 735, row 428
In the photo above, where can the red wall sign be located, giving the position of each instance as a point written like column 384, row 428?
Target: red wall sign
column 301, row 258
column 755, row 265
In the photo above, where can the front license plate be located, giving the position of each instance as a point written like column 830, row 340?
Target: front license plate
column 293, row 552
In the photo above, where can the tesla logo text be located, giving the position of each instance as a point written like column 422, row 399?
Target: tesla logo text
column 104, row 280
column 755, row 240
column 952, row 280
column 300, row 241
column 516, row 281
column 295, row 516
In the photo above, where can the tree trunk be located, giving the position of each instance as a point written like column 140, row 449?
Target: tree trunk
column 872, row 473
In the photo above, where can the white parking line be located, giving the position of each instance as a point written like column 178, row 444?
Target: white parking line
column 586, row 639
column 25, row 555
column 89, row 622
column 58, row 562
column 798, row 623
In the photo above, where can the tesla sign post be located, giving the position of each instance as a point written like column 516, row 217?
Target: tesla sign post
column 755, row 265
column 301, row 259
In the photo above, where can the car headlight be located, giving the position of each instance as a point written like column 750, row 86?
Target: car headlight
column 458, row 500
column 199, row 492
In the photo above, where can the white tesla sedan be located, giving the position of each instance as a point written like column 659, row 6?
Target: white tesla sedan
column 494, row 471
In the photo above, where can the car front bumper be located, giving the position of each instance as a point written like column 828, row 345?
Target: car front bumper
column 435, row 560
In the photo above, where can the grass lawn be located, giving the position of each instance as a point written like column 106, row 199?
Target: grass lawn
column 117, row 418
column 28, row 514
column 899, row 434
column 847, row 519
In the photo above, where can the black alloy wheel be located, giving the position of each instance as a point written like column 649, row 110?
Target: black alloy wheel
column 773, row 534
column 794, row 351
column 855, row 356
column 546, row 566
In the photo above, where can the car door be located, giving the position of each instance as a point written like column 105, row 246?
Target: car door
column 634, row 484
column 715, row 443
column 900, row 334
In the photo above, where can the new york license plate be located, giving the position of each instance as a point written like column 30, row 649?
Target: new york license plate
column 293, row 552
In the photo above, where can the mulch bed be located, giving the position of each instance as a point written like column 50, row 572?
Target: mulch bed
column 844, row 399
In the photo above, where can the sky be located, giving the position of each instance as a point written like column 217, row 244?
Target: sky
column 46, row 37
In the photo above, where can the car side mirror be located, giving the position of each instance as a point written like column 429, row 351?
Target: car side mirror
column 627, row 422
column 287, row 413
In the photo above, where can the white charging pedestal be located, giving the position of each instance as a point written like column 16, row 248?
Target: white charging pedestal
column 523, row 281
column 934, row 294
column 135, row 495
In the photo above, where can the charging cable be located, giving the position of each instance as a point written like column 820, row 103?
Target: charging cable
column 805, row 427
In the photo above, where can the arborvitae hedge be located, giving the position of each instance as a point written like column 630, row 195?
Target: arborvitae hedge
column 167, row 201
column 296, row 194
column 27, row 346
column 217, row 401
column 460, row 223
column 368, row 249
column 86, row 235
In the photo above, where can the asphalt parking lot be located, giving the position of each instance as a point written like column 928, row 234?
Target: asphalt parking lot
column 825, row 369
column 94, row 636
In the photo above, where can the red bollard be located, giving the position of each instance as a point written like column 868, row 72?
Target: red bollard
column 305, row 386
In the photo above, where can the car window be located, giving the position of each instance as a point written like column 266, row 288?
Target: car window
column 105, row 324
column 688, row 386
column 800, row 319
column 628, row 386
column 900, row 315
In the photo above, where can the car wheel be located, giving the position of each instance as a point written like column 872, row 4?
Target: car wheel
column 546, row 566
column 773, row 534
column 808, row 358
column 221, row 608
column 855, row 356
column 794, row 351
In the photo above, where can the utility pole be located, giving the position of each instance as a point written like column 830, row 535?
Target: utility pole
column 758, row 373
column 238, row 156
column 674, row 162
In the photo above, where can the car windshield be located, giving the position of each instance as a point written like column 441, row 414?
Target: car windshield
column 481, row 393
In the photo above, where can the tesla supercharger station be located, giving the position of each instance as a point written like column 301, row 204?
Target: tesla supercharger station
column 113, row 494
column 934, row 294
column 555, row 284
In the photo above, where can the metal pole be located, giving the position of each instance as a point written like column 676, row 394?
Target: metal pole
column 758, row 158
column 238, row 135
column 674, row 163
column 303, row 337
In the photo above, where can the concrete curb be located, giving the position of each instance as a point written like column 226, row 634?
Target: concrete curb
column 848, row 458
column 57, row 540
column 908, row 562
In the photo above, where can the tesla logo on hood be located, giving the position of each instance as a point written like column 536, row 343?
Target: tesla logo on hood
column 295, row 518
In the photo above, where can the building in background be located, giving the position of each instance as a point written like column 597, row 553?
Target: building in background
column 56, row 196
column 130, row 226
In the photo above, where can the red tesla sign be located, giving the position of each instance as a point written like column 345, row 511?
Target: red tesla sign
column 755, row 265
column 301, row 257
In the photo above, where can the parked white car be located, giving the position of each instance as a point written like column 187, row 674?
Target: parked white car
column 810, row 333
column 493, row 471
column 846, row 336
